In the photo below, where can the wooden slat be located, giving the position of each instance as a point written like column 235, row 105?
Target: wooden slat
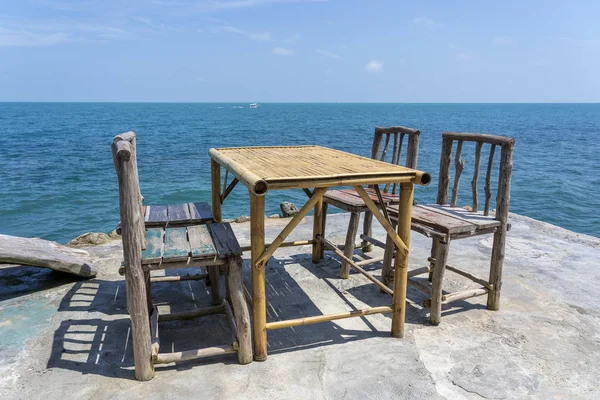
column 200, row 212
column 438, row 221
column 224, row 239
column 488, row 181
column 154, row 245
column 476, row 176
column 156, row 215
column 177, row 247
column 459, row 165
column 477, row 219
column 201, row 243
column 178, row 214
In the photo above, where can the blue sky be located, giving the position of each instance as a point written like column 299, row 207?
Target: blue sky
column 294, row 50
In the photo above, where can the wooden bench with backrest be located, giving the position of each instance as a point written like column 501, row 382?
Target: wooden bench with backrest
column 174, row 236
column 445, row 221
column 350, row 201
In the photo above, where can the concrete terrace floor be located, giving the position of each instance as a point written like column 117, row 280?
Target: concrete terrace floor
column 62, row 338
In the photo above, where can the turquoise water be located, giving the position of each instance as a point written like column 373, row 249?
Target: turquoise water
column 57, row 178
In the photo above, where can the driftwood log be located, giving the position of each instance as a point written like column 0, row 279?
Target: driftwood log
column 44, row 253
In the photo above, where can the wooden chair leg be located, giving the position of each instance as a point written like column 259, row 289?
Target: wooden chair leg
column 323, row 223
column 493, row 302
column 438, row 279
column 240, row 310
column 215, row 286
column 350, row 243
column 434, row 247
column 388, row 256
column 367, row 230
column 148, row 291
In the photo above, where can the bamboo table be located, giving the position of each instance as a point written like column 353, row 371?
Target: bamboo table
column 262, row 169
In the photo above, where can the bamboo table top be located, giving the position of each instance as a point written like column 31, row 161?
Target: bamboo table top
column 284, row 167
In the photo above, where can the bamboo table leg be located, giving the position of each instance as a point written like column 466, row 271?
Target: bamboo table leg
column 317, row 230
column 401, row 261
column 215, row 175
column 259, row 303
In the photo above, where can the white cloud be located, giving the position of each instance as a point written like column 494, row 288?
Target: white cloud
column 260, row 36
column 280, row 51
column 251, row 3
column 462, row 56
column 329, row 54
column 428, row 22
column 26, row 38
column 374, row 66
column 502, row 41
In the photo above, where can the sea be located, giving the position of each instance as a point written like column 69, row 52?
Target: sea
column 57, row 178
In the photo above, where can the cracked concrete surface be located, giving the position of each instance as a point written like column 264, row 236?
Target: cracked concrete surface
column 66, row 338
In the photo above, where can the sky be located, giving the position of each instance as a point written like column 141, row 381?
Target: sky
column 300, row 51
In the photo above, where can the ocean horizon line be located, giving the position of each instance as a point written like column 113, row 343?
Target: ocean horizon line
column 282, row 102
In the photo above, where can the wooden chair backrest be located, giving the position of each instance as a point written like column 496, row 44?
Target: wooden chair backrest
column 506, row 145
column 395, row 157
column 130, row 197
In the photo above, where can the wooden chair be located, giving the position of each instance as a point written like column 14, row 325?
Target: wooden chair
column 445, row 222
column 350, row 201
column 174, row 236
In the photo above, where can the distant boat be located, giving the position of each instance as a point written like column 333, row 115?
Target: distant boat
column 254, row 105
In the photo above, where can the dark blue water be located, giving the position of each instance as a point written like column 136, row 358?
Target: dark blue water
column 57, row 178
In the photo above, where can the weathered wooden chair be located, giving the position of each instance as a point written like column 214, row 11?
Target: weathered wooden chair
column 445, row 222
column 350, row 201
column 174, row 236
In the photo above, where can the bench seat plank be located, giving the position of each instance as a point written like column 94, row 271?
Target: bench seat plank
column 178, row 214
column 154, row 246
column 225, row 240
column 155, row 215
column 201, row 243
column 177, row 247
column 200, row 212
column 476, row 218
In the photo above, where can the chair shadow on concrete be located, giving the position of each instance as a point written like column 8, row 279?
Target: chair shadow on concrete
column 101, row 344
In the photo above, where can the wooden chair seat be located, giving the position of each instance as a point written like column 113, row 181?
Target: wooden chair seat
column 195, row 242
column 177, row 214
column 448, row 220
column 349, row 200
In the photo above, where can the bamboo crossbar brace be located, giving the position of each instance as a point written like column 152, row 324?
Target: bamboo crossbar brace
column 177, row 278
column 467, row 275
column 340, row 254
column 383, row 206
column 370, row 261
column 284, row 244
column 308, row 192
column 167, row 358
column 253, row 182
column 317, row 195
column 386, row 225
column 372, row 240
column 229, row 189
column 419, row 271
column 328, row 317
column 201, row 312
column 465, row 294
